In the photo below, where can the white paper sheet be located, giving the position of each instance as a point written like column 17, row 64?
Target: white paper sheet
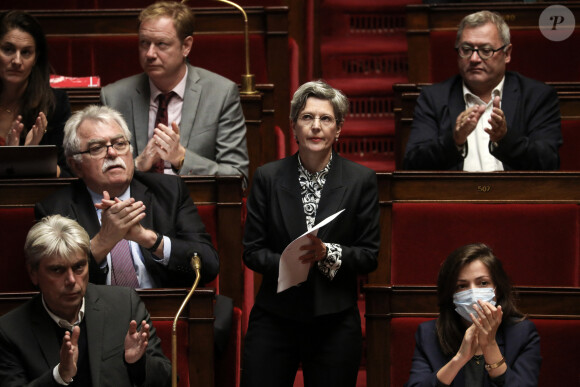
column 291, row 271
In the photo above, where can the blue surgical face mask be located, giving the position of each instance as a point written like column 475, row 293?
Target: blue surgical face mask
column 464, row 300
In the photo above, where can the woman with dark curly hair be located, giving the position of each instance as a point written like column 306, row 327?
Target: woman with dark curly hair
column 479, row 338
column 31, row 112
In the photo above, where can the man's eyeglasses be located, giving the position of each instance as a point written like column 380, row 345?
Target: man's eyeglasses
column 308, row 120
column 484, row 53
column 97, row 151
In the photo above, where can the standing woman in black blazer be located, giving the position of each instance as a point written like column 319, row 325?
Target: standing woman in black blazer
column 317, row 323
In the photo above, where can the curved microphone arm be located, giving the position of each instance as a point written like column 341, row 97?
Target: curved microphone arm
column 196, row 264
column 248, row 83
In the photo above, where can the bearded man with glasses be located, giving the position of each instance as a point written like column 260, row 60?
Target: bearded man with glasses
column 149, row 217
column 485, row 118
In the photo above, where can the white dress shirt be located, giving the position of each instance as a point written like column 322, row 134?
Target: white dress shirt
column 478, row 157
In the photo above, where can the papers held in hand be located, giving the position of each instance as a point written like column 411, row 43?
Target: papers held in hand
column 292, row 271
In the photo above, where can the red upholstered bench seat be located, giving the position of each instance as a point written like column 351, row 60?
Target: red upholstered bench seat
column 537, row 243
column 14, row 223
column 559, row 341
column 402, row 336
column 164, row 332
column 570, row 149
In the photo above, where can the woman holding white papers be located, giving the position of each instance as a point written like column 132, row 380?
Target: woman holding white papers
column 315, row 324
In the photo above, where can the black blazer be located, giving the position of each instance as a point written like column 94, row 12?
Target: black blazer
column 169, row 211
column 29, row 346
column 276, row 217
column 533, row 126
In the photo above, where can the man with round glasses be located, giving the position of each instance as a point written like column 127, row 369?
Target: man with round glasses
column 143, row 226
column 485, row 118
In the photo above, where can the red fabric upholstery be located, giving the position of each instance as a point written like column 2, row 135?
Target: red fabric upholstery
column 224, row 54
column 229, row 365
column 443, row 56
column 208, row 214
column 402, row 347
column 14, row 223
column 116, row 57
column 525, row 59
column 164, row 329
column 537, row 243
column 569, row 151
column 559, row 341
column 280, row 143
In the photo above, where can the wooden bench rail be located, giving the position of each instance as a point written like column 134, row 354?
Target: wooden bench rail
column 384, row 302
column 163, row 304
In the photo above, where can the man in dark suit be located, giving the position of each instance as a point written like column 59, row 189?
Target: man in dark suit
column 205, row 133
column 485, row 119
column 152, row 212
column 75, row 333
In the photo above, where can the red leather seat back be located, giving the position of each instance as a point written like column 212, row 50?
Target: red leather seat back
column 537, row 243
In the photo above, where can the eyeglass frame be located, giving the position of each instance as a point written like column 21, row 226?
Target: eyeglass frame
column 493, row 51
column 106, row 147
column 319, row 118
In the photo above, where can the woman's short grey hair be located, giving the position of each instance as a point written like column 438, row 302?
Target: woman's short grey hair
column 483, row 17
column 321, row 90
column 55, row 235
column 104, row 114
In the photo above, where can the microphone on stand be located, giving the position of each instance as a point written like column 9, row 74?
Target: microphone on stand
column 248, row 82
column 196, row 265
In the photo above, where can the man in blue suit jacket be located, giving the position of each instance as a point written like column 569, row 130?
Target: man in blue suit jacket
column 485, row 119
column 206, row 132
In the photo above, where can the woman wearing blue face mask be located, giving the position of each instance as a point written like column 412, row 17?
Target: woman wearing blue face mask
column 479, row 338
